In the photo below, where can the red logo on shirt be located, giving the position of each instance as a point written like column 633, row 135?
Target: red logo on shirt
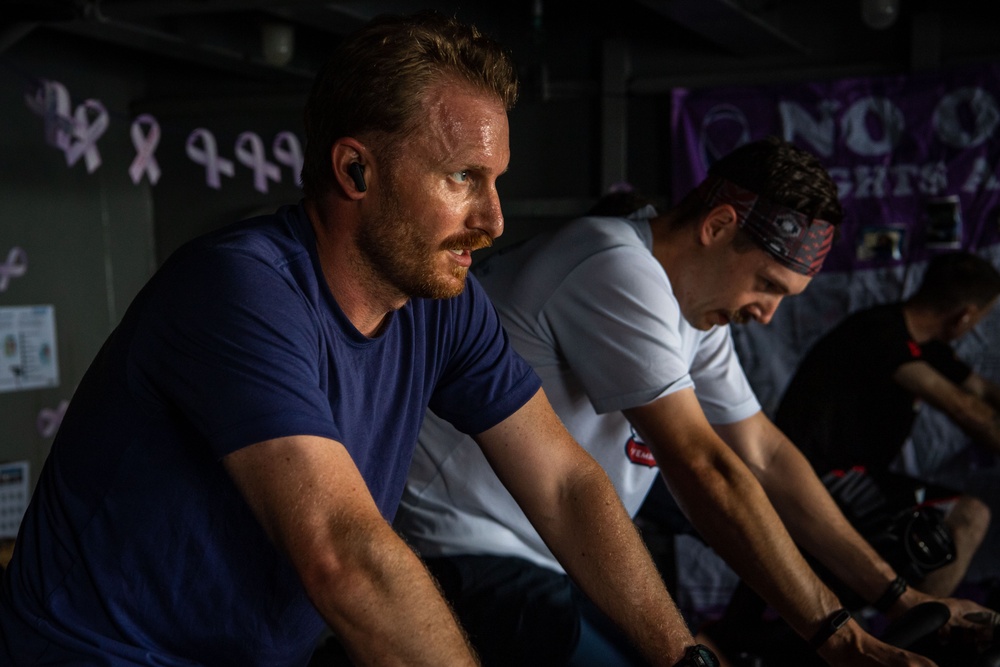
column 915, row 350
column 639, row 453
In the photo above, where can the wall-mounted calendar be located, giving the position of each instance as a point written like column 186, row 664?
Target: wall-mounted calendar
column 14, row 497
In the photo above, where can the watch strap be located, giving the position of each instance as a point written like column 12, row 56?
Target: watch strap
column 833, row 622
column 895, row 590
column 698, row 655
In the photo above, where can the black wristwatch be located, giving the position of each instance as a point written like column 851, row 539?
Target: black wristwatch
column 698, row 656
column 833, row 622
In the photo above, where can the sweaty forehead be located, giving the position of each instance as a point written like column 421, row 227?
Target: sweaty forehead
column 463, row 122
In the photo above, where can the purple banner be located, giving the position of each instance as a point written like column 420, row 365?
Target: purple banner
column 915, row 158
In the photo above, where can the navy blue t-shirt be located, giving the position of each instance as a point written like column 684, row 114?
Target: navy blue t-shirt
column 137, row 546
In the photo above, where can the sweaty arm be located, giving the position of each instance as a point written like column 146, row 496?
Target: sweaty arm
column 368, row 585
column 726, row 503
column 574, row 507
column 971, row 405
column 814, row 520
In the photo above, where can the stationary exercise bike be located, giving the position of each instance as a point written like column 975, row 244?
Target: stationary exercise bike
column 772, row 643
column 915, row 543
column 917, row 630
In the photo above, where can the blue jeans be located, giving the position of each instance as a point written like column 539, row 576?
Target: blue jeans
column 518, row 613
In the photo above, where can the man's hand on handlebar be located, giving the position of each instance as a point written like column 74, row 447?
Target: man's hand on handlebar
column 853, row 647
column 969, row 622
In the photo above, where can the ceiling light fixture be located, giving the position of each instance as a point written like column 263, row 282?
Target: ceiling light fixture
column 277, row 42
column 879, row 14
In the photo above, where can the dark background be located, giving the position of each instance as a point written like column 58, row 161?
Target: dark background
column 594, row 111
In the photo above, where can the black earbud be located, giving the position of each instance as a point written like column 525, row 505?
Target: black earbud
column 357, row 173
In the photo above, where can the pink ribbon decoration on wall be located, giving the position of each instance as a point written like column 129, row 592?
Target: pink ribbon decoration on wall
column 250, row 152
column 288, row 151
column 49, row 419
column 145, row 143
column 207, row 154
column 51, row 101
column 90, row 122
column 15, row 266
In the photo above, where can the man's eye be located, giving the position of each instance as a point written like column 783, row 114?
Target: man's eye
column 460, row 176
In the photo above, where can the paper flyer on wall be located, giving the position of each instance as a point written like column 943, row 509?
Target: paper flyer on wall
column 28, row 358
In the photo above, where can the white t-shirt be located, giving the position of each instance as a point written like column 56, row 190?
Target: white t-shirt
column 594, row 313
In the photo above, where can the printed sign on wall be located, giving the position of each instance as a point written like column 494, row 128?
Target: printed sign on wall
column 28, row 357
column 917, row 154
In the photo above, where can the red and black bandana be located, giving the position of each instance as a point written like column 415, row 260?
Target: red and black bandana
column 791, row 237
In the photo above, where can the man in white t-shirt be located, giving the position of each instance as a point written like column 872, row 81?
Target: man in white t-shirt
column 625, row 320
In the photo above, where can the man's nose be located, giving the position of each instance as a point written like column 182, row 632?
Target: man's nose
column 488, row 216
column 767, row 309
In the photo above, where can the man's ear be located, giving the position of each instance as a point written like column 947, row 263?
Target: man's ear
column 960, row 320
column 964, row 313
column 718, row 225
column 350, row 167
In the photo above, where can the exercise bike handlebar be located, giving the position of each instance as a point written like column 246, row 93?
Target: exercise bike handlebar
column 921, row 621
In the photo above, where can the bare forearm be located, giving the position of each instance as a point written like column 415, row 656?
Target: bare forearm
column 989, row 434
column 972, row 406
column 572, row 504
column 984, row 389
column 595, row 540
column 385, row 608
column 727, row 505
column 369, row 586
column 818, row 525
column 991, row 394
column 730, row 510
column 979, row 420
column 723, row 499
column 782, row 577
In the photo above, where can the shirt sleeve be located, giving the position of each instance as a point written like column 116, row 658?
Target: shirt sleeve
column 720, row 383
column 486, row 380
column 615, row 320
column 228, row 343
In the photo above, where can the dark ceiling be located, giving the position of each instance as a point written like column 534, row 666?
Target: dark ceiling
column 662, row 43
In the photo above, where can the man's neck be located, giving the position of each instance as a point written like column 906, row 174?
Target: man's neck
column 361, row 296
column 669, row 248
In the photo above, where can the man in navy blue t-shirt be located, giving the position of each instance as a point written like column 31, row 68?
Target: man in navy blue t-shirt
column 221, row 488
